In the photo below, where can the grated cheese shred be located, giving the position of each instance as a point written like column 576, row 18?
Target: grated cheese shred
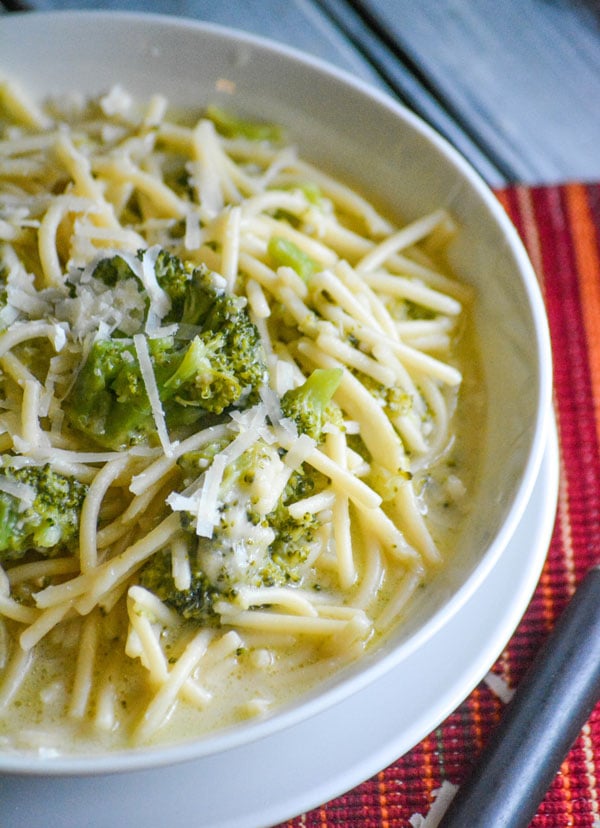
column 143, row 355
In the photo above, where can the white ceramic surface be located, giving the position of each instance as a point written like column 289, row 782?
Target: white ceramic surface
column 373, row 142
column 292, row 771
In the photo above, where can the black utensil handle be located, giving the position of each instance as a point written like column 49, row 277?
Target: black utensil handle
column 540, row 724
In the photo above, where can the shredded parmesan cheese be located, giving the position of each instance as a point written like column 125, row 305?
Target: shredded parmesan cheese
column 143, row 355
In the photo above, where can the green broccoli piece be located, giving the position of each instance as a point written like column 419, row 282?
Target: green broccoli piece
column 180, row 280
column 108, row 401
column 395, row 400
column 201, row 291
column 279, row 565
column 309, row 405
column 224, row 316
column 195, row 603
column 276, row 546
column 230, row 337
column 294, row 536
column 233, row 127
column 205, row 376
column 174, row 276
column 50, row 524
column 112, row 270
column 217, row 366
column 217, row 557
column 285, row 252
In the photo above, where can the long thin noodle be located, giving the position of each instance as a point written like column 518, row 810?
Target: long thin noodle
column 84, row 669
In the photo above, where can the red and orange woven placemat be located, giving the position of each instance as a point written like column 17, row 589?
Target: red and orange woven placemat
column 560, row 226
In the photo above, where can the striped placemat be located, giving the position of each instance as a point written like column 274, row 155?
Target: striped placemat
column 560, row 226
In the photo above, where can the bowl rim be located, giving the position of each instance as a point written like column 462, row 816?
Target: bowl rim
column 135, row 759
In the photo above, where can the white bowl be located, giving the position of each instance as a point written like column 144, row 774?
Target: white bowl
column 373, row 142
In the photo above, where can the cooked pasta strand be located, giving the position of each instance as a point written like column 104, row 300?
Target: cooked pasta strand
column 84, row 669
column 156, row 712
column 88, row 552
column 14, row 675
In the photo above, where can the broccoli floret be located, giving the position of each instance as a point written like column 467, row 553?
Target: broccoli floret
column 205, row 377
column 222, row 314
column 108, row 401
column 112, row 270
column 48, row 520
column 214, row 363
column 216, row 570
column 294, row 536
column 309, row 405
column 174, row 276
column 216, row 574
column 395, row 400
column 202, row 289
column 195, row 603
column 227, row 332
column 248, row 548
column 192, row 290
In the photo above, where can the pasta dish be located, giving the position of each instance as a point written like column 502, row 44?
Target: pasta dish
column 230, row 420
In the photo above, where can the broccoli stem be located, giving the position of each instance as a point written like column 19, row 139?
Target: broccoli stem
column 309, row 405
column 321, row 385
column 194, row 360
column 285, row 253
column 233, row 127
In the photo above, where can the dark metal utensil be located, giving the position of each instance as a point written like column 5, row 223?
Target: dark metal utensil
column 540, row 724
